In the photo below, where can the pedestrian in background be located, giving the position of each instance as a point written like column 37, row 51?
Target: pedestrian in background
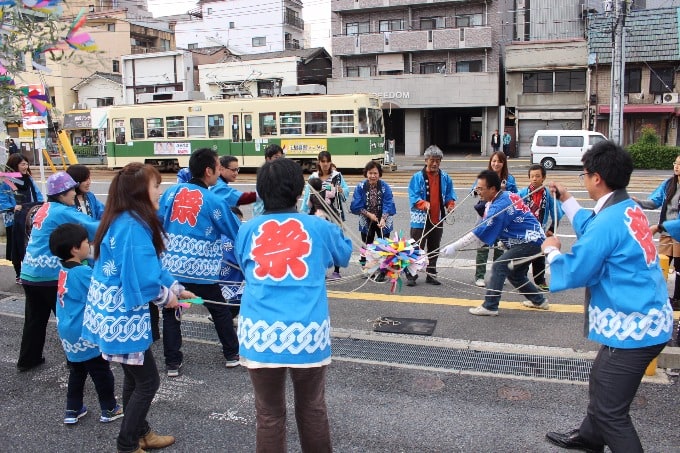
column 495, row 141
column 282, row 254
column 334, row 189
column 626, row 305
column 667, row 197
column 431, row 196
column 373, row 202
column 14, row 203
column 507, row 139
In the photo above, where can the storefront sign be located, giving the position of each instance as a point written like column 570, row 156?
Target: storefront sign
column 77, row 121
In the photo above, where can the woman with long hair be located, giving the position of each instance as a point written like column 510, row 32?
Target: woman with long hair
column 127, row 279
column 498, row 162
column 334, row 191
column 85, row 200
column 667, row 198
column 12, row 201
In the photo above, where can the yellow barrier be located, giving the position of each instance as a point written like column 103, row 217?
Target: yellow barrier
column 665, row 264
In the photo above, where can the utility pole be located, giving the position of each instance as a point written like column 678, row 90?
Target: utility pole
column 618, row 70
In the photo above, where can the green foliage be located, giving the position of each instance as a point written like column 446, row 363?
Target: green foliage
column 648, row 153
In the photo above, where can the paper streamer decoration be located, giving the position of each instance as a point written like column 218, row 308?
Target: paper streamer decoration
column 394, row 256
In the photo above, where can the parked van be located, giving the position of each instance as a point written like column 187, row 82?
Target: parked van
column 562, row 147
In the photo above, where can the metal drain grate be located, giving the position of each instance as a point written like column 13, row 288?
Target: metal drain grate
column 528, row 365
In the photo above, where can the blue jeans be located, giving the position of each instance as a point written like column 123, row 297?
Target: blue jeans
column 517, row 276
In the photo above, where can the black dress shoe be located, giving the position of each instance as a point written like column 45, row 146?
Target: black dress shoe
column 432, row 281
column 22, row 368
column 410, row 282
column 573, row 441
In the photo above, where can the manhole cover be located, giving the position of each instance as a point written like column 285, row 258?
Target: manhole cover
column 513, row 394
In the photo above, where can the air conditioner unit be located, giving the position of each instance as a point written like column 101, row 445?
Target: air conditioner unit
column 670, row 98
column 657, row 99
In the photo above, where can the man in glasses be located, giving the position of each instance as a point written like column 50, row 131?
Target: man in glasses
column 228, row 173
column 626, row 304
column 508, row 219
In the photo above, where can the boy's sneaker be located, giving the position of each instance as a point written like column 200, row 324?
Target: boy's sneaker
column 71, row 417
column 174, row 370
column 233, row 361
column 113, row 414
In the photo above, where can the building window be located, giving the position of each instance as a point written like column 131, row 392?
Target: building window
column 537, row 82
column 469, row 66
column 468, row 20
column 259, row 41
column 110, row 27
column 570, row 81
column 661, row 80
column 433, row 68
column 359, row 71
column 357, row 28
column 103, row 102
column 430, row 23
column 39, row 58
column 632, row 80
column 232, row 25
column 192, row 45
column 391, row 25
column 208, row 11
column 116, row 66
column 165, row 44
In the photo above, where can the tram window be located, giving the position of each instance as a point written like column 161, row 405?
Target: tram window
column 363, row 121
column 248, row 128
column 119, row 131
column 268, row 123
column 291, row 123
column 137, row 128
column 235, row 133
column 316, row 123
column 175, row 126
column 196, row 126
column 376, row 121
column 154, row 127
column 342, row 121
column 215, row 126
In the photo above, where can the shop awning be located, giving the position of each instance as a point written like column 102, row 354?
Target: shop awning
column 641, row 108
column 77, row 121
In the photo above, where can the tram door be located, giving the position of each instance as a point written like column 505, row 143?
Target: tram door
column 242, row 135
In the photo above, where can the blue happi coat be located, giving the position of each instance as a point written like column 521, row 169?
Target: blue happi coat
column 284, row 318
column 127, row 276
column 195, row 219
column 39, row 264
column 615, row 258
column 74, row 282
column 509, row 220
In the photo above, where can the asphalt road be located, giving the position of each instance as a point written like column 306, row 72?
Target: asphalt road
column 374, row 407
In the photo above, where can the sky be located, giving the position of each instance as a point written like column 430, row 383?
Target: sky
column 168, row 7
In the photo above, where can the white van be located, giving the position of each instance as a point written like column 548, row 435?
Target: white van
column 562, row 147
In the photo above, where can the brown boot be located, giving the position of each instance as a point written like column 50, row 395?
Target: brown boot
column 153, row 440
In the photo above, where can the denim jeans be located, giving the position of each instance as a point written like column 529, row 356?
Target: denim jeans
column 311, row 413
column 139, row 387
column 517, row 276
column 221, row 315
column 102, row 377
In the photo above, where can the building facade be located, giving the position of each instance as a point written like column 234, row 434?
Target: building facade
column 434, row 64
column 244, row 26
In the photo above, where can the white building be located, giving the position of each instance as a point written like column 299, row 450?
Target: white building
column 245, row 26
column 156, row 76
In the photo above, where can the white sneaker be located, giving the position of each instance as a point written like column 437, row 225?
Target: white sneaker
column 480, row 282
column 481, row 311
column 544, row 306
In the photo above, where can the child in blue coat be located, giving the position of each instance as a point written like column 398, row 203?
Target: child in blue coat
column 69, row 243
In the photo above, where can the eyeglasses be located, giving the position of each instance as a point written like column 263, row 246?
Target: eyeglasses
column 235, row 170
column 583, row 175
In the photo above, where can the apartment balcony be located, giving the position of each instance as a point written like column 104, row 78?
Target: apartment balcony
column 294, row 22
column 413, row 41
column 371, row 5
column 134, row 50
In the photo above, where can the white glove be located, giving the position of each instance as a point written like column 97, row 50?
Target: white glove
column 450, row 250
